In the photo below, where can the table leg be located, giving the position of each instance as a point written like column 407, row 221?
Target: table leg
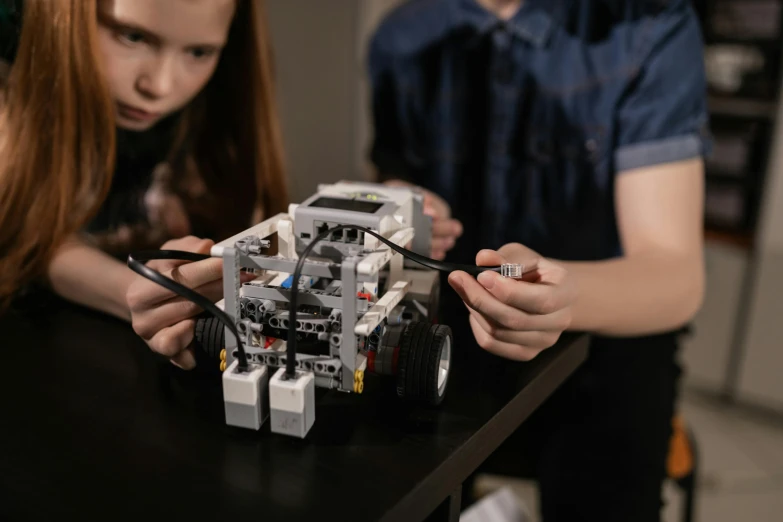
column 449, row 509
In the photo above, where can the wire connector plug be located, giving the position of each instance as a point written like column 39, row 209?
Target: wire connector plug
column 512, row 270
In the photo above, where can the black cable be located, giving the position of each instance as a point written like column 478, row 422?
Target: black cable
column 426, row 261
column 136, row 263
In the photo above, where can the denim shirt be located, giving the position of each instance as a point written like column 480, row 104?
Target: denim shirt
column 523, row 126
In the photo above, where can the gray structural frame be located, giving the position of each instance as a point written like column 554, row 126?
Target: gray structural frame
column 336, row 259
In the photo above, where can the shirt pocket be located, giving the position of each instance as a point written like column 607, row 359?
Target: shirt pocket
column 564, row 162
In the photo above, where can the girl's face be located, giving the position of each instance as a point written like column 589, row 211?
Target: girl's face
column 158, row 54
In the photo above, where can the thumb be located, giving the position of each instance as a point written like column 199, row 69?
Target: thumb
column 488, row 257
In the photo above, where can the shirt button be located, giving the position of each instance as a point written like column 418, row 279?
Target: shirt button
column 591, row 145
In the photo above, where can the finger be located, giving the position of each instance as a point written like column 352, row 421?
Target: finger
column 535, row 337
column 187, row 244
column 479, row 299
column 148, row 321
column 509, row 351
column 534, row 298
column 145, row 293
column 185, row 359
column 435, row 206
column 170, row 341
column 490, row 258
column 198, row 273
column 447, row 227
column 438, row 255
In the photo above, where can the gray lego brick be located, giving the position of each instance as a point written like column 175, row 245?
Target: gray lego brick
column 423, row 226
column 324, row 269
column 348, row 343
column 283, row 294
column 245, row 415
column 231, row 284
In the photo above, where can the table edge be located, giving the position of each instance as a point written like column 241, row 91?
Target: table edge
column 428, row 494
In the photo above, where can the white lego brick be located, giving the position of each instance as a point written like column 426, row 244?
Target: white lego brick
column 291, row 395
column 403, row 236
column 244, row 388
column 279, row 279
column 376, row 261
column 370, row 288
column 381, row 309
column 285, row 239
column 263, row 230
column 373, row 263
column 396, row 267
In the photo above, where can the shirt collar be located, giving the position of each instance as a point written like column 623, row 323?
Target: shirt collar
column 533, row 22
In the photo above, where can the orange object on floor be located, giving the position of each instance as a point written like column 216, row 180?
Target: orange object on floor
column 679, row 462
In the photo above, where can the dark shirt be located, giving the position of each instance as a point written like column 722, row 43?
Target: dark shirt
column 138, row 155
column 130, row 218
column 523, row 126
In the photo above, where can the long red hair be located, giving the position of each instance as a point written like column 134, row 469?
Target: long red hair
column 57, row 135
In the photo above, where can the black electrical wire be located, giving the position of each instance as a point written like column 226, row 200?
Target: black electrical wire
column 426, row 261
column 136, row 263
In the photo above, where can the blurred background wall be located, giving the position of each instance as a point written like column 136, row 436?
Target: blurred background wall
column 320, row 49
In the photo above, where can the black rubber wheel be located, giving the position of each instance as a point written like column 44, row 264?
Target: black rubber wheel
column 210, row 336
column 422, row 375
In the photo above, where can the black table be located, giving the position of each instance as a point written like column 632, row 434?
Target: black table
column 96, row 425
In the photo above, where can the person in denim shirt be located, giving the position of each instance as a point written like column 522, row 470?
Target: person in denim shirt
column 569, row 136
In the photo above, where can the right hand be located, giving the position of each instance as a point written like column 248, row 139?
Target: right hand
column 445, row 229
column 164, row 320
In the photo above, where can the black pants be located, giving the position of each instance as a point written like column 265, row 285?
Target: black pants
column 598, row 446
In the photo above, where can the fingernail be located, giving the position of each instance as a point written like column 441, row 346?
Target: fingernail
column 455, row 281
column 487, row 279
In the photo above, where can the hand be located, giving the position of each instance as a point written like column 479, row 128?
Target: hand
column 445, row 230
column 165, row 320
column 517, row 319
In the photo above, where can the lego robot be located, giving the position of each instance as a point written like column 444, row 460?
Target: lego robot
column 361, row 307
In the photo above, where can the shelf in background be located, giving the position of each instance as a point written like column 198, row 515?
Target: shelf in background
column 716, row 175
column 742, row 107
column 743, row 240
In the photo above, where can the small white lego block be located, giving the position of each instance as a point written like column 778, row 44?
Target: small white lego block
column 403, row 236
column 244, row 395
column 285, row 239
column 382, row 308
column 374, row 262
column 292, row 403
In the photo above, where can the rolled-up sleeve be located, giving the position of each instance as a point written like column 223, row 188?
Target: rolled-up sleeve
column 663, row 118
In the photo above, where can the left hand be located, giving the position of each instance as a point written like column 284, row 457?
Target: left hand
column 517, row 319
